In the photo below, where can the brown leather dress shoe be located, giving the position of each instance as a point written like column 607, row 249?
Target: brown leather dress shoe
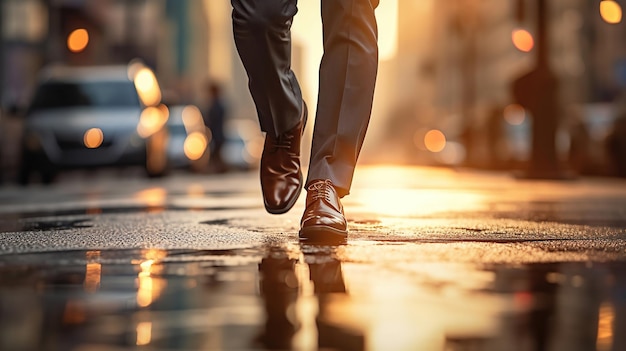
column 281, row 177
column 323, row 219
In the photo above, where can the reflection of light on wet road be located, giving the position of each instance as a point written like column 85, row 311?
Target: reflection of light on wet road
column 306, row 309
column 606, row 320
column 362, row 296
column 403, row 314
column 149, row 288
column 393, row 192
column 144, row 333
column 93, row 272
column 152, row 196
column 195, row 191
column 398, row 202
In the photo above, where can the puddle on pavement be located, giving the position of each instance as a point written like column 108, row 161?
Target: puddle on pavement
column 48, row 220
column 43, row 225
column 303, row 298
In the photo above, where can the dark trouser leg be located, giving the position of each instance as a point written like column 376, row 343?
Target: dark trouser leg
column 347, row 79
column 262, row 30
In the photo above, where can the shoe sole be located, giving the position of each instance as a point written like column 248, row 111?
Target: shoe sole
column 323, row 235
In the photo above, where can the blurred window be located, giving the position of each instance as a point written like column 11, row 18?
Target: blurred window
column 77, row 94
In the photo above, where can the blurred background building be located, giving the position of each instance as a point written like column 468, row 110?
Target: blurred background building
column 446, row 75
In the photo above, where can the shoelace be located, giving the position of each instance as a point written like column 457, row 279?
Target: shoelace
column 320, row 190
column 282, row 142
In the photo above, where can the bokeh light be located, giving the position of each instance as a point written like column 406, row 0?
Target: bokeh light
column 195, row 145
column 434, row 140
column 93, row 138
column 523, row 40
column 152, row 119
column 78, row 40
column 514, row 114
column 192, row 119
column 610, row 11
column 452, row 154
column 147, row 87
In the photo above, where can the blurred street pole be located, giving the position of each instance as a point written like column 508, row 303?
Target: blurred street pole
column 131, row 28
column 54, row 47
column 2, row 54
column 469, row 25
column 538, row 92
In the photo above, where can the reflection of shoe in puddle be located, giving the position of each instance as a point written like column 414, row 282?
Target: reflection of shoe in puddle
column 279, row 289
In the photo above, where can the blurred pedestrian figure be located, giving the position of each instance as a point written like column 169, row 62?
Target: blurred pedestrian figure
column 580, row 142
column 495, row 136
column 262, row 31
column 616, row 145
column 214, row 118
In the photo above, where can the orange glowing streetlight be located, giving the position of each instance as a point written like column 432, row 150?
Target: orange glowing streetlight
column 610, row 11
column 434, row 140
column 78, row 40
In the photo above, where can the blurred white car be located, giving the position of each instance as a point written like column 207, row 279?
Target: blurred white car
column 94, row 116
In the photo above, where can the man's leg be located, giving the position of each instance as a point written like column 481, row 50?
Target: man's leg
column 347, row 79
column 262, row 31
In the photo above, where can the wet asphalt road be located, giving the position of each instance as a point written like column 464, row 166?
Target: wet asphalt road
column 436, row 260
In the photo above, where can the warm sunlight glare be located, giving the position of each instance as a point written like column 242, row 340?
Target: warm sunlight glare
column 404, row 194
column 434, row 140
column 610, row 11
column 78, row 40
column 523, row 40
column 387, row 18
column 93, row 138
